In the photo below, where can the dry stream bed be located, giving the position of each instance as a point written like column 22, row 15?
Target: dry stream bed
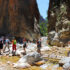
column 6, row 62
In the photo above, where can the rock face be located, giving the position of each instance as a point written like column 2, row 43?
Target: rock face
column 17, row 18
column 59, row 22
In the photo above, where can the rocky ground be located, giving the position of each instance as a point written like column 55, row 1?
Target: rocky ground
column 51, row 54
column 52, row 60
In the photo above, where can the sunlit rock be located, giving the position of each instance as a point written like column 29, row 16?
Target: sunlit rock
column 64, row 60
column 28, row 60
column 59, row 23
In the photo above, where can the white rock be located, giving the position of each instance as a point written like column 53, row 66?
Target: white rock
column 44, row 66
column 56, row 66
column 52, row 56
column 19, row 51
column 21, row 65
column 27, row 60
column 8, row 62
column 44, row 41
column 66, row 65
column 45, row 48
column 64, row 60
column 68, row 45
column 31, row 47
column 10, row 55
column 59, row 57
column 45, row 55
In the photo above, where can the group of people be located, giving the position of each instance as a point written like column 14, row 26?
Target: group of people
column 38, row 42
column 5, row 42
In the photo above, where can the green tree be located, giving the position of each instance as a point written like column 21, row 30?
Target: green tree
column 43, row 28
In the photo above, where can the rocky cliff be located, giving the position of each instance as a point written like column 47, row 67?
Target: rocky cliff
column 59, row 22
column 19, row 18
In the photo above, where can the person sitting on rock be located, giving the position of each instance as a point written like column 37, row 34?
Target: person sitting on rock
column 24, row 45
column 39, row 46
column 14, row 47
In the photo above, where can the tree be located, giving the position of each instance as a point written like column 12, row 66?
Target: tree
column 43, row 28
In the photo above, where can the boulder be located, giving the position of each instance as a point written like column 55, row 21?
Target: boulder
column 66, row 66
column 64, row 61
column 44, row 41
column 45, row 48
column 21, row 65
column 28, row 60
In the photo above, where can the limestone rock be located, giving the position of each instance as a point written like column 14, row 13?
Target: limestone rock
column 66, row 66
column 28, row 60
column 64, row 60
column 59, row 21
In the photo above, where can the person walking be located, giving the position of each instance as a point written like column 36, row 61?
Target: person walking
column 7, row 42
column 39, row 46
column 24, row 45
column 14, row 42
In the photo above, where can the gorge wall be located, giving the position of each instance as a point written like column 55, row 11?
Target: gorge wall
column 19, row 18
column 59, row 22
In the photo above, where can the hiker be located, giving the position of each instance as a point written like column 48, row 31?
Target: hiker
column 1, row 45
column 14, row 47
column 39, row 46
column 34, row 40
column 24, row 45
column 7, row 42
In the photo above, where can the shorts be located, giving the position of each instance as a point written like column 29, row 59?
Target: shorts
column 39, row 47
column 1, row 46
column 14, row 47
column 24, row 46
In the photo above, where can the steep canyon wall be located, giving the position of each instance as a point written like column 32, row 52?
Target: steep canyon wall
column 59, row 22
column 18, row 17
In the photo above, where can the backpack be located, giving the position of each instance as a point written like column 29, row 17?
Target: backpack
column 14, row 42
column 39, row 43
column 25, row 44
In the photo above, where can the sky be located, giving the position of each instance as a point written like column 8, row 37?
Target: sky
column 43, row 7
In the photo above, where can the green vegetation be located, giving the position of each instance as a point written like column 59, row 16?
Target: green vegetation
column 44, row 28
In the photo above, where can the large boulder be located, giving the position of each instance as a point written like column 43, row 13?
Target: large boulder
column 66, row 66
column 64, row 61
column 59, row 22
column 18, row 18
column 28, row 60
